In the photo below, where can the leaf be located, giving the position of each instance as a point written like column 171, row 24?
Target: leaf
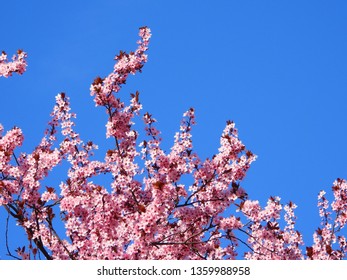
column 97, row 81
column 235, row 186
column 158, row 185
column 241, row 205
column 36, row 156
column 142, row 208
column 328, row 249
column 50, row 189
column 273, row 226
column 120, row 56
column 110, row 153
column 137, row 96
column 249, row 154
column 309, row 252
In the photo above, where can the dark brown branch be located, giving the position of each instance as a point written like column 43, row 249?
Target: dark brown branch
column 6, row 237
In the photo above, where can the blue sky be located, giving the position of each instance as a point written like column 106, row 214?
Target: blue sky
column 277, row 68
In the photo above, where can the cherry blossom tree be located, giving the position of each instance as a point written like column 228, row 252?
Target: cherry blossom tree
column 147, row 212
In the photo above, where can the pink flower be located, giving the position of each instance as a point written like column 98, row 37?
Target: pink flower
column 158, row 204
column 18, row 64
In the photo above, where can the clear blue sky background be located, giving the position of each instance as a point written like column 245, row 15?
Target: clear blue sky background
column 277, row 68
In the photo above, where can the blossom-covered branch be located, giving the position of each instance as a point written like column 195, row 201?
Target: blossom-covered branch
column 149, row 210
column 17, row 65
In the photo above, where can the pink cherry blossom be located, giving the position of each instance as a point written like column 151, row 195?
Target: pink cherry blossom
column 18, row 64
column 149, row 210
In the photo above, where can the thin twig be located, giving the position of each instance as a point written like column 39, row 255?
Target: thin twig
column 6, row 234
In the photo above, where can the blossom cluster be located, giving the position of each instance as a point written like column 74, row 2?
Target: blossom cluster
column 17, row 65
column 329, row 241
column 148, row 211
